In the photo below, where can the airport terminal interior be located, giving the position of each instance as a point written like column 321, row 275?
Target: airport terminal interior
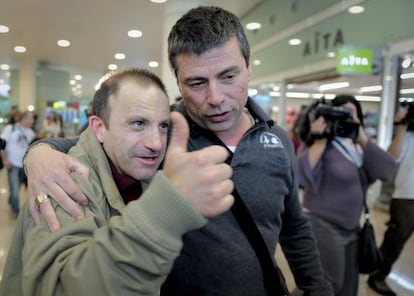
column 301, row 52
column 401, row 278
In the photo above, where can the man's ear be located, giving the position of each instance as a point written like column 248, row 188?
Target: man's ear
column 98, row 127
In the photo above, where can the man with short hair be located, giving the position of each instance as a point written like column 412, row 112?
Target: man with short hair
column 123, row 246
column 210, row 56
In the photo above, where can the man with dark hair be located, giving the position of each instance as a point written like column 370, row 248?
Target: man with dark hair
column 209, row 54
column 123, row 246
column 400, row 226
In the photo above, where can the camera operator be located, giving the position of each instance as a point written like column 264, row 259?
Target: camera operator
column 401, row 223
column 329, row 168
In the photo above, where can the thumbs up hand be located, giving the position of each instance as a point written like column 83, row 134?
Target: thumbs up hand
column 202, row 176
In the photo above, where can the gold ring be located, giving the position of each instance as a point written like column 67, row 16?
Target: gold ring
column 40, row 199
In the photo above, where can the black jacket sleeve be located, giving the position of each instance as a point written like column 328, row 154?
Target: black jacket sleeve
column 59, row 144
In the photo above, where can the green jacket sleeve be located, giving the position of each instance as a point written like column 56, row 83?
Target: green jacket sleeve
column 129, row 254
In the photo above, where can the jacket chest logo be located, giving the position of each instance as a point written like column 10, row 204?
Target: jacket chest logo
column 269, row 140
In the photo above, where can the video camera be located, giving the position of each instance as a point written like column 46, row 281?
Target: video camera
column 409, row 117
column 336, row 121
column 336, row 118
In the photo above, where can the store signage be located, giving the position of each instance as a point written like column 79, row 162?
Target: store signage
column 354, row 60
column 326, row 41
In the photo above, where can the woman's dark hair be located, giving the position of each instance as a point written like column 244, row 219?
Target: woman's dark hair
column 340, row 100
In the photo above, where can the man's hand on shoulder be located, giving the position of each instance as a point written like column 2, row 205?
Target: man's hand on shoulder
column 48, row 173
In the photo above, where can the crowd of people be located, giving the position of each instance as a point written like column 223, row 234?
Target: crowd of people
column 158, row 214
column 22, row 128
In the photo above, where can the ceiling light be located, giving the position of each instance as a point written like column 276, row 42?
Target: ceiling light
column 295, row 41
column 356, row 9
column 274, row 94
column 63, row 43
column 253, row 26
column 4, row 29
column 407, row 75
column 158, row 1
column 153, row 64
column 368, row 98
column 72, row 82
column 331, row 54
column 297, row 95
column 119, row 56
column 112, row 67
column 329, row 96
column 252, row 92
column 20, row 49
column 257, row 62
column 370, row 88
column 336, row 85
column 134, row 33
column 406, row 100
column 317, row 96
column 406, row 63
column 4, row 67
column 407, row 91
column 78, row 77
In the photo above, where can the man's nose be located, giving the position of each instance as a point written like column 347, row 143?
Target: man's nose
column 154, row 140
column 214, row 96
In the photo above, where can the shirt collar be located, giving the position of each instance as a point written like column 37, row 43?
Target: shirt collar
column 121, row 181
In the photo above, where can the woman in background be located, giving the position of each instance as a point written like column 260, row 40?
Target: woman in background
column 335, row 173
column 52, row 127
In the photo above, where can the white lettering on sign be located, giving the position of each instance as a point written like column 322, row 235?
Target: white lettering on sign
column 353, row 60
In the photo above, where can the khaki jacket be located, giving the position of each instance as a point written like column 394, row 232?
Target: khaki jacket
column 114, row 250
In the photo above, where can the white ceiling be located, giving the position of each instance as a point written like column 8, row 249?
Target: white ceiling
column 97, row 29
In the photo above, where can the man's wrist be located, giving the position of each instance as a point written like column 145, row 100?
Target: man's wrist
column 30, row 148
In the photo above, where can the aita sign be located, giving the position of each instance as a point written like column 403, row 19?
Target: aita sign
column 354, row 60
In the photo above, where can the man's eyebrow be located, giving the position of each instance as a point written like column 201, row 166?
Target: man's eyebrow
column 193, row 78
column 224, row 72
column 166, row 119
column 228, row 70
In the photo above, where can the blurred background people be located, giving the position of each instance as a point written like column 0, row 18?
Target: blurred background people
column 13, row 115
column 292, row 120
column 18, row 136
column 88, row 113
column 401, row 223
column 336, row 155
column 52, row 126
